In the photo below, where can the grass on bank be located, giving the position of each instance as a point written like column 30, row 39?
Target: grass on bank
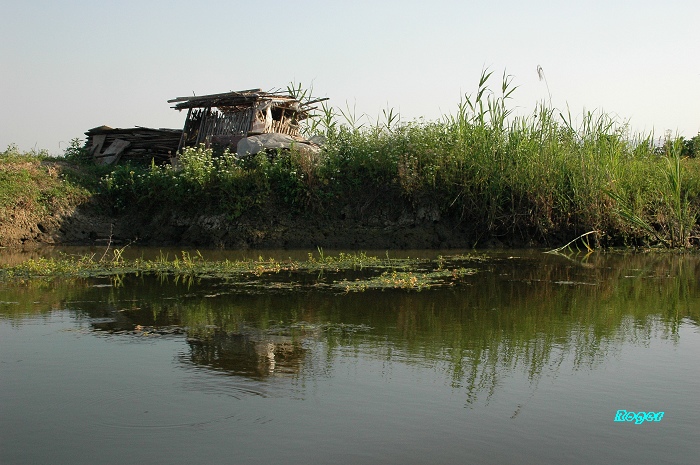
column 33, row 185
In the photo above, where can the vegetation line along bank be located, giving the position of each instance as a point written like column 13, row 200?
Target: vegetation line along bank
column 477, row 177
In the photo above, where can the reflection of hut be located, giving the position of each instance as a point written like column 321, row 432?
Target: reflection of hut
column 225, row 119
column 251, row 354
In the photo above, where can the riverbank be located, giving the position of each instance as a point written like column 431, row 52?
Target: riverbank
column 258, row 203
column 477, row 179
column 56, row 201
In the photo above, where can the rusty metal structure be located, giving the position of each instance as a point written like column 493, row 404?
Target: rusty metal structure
column 224, row 119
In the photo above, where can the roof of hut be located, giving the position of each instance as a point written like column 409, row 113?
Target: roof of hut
column 242, row 99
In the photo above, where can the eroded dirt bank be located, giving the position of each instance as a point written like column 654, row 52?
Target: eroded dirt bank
column 390, row 226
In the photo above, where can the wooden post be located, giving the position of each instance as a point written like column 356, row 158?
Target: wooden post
column 183, row 137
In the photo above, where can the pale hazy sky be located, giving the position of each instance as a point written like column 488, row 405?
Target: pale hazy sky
column 68, row 66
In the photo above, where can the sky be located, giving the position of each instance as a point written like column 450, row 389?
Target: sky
column 68, row 66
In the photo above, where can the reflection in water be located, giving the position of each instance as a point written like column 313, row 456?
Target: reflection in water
column 525, row 312
column 538, row 351
column 252, row 353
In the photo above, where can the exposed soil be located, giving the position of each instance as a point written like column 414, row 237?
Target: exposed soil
column 266, row 228
column 271, row 228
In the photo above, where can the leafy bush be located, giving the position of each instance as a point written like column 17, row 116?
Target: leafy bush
column 199, row 182
column 76, row 152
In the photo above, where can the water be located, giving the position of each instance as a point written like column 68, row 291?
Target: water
column 528, row 362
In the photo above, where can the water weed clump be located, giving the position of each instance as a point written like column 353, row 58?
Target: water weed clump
column 322, row 271
column 412, row 280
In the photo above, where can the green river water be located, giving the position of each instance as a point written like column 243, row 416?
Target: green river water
column 528, row 360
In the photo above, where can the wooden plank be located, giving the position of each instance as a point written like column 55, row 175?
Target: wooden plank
column 113, row 152
column 214, row 96
column 97, row 143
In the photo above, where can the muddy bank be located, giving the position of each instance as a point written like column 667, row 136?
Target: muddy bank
column 382, row 226
column 279, row 229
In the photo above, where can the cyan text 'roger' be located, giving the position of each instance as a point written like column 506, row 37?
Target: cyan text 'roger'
column 638, row 417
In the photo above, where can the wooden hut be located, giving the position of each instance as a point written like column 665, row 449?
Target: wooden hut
column 224, row 119
column 220, row 120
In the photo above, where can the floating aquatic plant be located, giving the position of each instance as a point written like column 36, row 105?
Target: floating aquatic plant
column 372, row 272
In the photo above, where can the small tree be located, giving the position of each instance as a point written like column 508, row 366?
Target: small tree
column 691, row 147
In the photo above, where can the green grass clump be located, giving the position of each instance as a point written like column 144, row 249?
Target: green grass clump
column 20, row 178
column 541, row 176
column 33, row 183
